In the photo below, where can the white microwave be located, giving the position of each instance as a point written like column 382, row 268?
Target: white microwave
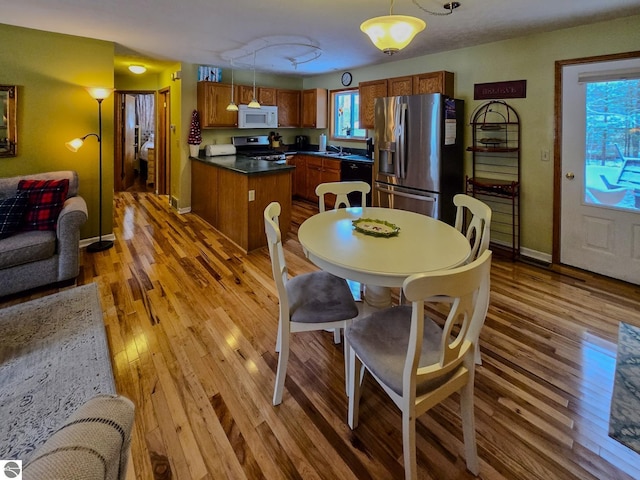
column 263, row 117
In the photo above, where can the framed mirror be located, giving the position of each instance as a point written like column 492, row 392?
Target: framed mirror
column 8, row 121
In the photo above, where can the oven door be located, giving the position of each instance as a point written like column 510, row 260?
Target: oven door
column 402, row 198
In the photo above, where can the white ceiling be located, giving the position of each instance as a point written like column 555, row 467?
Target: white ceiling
column 212, row 32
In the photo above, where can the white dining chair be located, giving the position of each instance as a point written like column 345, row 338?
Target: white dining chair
column 417, row 362
column 308, row 302
column 341, row 190
column 478, row 230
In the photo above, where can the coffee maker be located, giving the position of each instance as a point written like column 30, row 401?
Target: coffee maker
column 302, row 143
column 369, row 147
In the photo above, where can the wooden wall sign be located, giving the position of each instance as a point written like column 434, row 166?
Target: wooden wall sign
column 498, row 90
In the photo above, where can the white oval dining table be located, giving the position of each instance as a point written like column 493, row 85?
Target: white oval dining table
column 423, row 244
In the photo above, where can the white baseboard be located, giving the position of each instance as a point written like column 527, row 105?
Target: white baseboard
column 184, row 210
column 535, row 255
column 88, row 241
column 528, row 252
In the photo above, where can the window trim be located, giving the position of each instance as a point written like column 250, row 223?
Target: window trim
column 332, row 136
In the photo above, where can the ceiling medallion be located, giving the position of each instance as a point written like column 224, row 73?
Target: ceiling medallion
column 299, row 50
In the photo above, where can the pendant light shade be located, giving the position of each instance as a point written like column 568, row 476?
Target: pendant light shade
column 232, row 107
column 392, row 33
column 254, row 102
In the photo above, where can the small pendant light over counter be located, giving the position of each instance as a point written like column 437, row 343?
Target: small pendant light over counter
column 254, row 103
column 232, row 107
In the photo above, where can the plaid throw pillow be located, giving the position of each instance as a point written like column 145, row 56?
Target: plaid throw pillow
column 12, row 214
column 45, row 201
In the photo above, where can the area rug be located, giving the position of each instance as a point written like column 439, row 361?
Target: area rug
column 624, row 422
column 53, row 357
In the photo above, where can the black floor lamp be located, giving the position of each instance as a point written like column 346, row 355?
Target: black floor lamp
column 74, row 145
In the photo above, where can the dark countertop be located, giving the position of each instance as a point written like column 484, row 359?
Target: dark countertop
column 244, row 165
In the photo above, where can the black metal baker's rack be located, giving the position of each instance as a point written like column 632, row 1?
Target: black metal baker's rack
column 496, row 171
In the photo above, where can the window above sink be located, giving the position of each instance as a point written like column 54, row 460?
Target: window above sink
column 345, row 115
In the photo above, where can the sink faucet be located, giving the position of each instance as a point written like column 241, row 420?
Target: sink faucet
column 339, row 150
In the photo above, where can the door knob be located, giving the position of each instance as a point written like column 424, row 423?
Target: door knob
column 570, row 175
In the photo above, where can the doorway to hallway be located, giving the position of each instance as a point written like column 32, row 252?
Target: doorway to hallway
column 135, row 160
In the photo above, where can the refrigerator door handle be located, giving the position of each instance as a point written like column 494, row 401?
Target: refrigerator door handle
column 397, row 136
column 401, row 151
column 399, row 193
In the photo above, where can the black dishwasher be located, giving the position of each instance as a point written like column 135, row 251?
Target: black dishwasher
column 351, row 170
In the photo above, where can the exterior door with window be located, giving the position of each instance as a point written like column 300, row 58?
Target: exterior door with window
column 600, row 208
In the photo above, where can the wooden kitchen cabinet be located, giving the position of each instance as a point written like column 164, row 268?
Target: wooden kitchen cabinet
column 314, row 108
column 213, row 98
column 400, row 86
column 264, row 95
column 369, row 91
column 299, row 176
column 434, row 82
column 204, row 182
column 319, row 170
column 288, row 102
column 314, row 177
column 431, row 82
column 267, row 95
column 245, row 94
column 220, row 196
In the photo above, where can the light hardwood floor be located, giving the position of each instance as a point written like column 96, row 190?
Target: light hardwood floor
column 191, row 323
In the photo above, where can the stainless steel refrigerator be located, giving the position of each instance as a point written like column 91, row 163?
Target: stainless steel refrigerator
column 418, row 154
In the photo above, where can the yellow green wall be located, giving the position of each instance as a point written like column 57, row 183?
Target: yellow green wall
column 129, row 81
column 531, row 58
column 51, row 71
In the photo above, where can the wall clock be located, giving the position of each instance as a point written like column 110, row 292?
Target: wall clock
column 346, row 79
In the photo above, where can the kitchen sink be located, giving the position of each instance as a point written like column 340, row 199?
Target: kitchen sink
column 337, row 154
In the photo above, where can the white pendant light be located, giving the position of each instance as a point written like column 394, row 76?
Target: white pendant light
column 392, row 33
column 232, row 107
column 254, row 103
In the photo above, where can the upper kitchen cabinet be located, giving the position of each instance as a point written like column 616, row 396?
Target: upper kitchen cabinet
column 267, row 95
column 314, row 108
column 264, row 95
column 245, row 94
column 213, row 99
column 369, row 91
column 288, row 102
column 434, row 82
column 400, row 86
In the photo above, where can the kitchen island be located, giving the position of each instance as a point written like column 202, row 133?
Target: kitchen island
column 231, row 192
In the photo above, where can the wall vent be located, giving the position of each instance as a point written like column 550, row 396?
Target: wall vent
column 174, row 202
